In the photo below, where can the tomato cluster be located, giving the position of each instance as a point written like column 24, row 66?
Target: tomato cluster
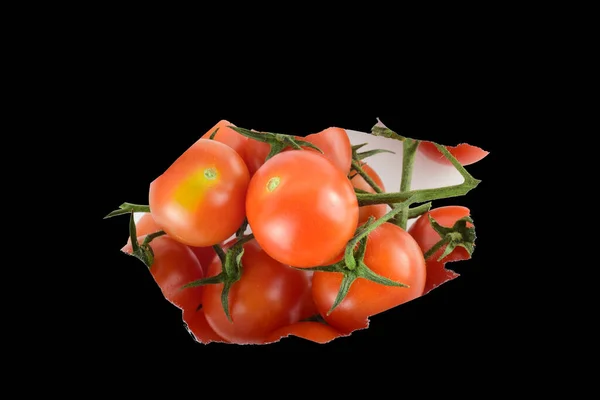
column 257, row 236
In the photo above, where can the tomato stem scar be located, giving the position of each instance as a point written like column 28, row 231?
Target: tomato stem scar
column 273, row 183
column 210, row 173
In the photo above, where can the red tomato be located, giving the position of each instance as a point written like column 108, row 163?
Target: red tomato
column 376, row 210
column 301, row 208
column 204, row 254
column 147, row 225
column 392, row 253
column 313, row 331
column 199, row 200
column 256, row 154
column 264, row 299
column 336, row 147
column 199, row 327
column 306, row 306
column 252, row 151
column 174, row 266
column 464, row 153
column 426, row 237
column 228, row 136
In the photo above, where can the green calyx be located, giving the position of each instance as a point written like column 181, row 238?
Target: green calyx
column 352, row 265
column 458, row 235
column 127, row 208
column 143, row 251
column 277, row 141
column 231, row 271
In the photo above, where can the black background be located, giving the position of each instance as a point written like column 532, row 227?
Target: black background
column 146, row 113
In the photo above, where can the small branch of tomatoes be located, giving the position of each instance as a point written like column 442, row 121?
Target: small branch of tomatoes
column 377, row 228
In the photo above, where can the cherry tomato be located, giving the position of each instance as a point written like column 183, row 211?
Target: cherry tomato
column 145, row 226
column 336, row 147
column 228, row 136
column 391, row 252
column 199, row 200
column 204, row 254
column 301, row 208
column 264, row 299
column 376, row 210
column 256, row 154
column 306, row 306
column 199, row 327
column 464, row 153
column 313, row 331
column 174, row 266
column 253, row 152
column 426, row 237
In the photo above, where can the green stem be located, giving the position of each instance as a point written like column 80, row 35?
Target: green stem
column 409, row 151
column 367, row 229
column 127, row 208
column 423, row 195
column 436, row 247
column 356, row 166
column 419, row 210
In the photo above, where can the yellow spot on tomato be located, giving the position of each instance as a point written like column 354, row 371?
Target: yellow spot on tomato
column 191, row 191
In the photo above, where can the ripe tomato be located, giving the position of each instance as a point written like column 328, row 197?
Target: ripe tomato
column 252, row 151
column 264, row 299
column 306, row 305
column 426, row 237
column 391, row 252
column 376, row 210
column 174, row 266
column 147, row 225
column 228, row 136
column 199, row 327
column 301, row 208
column 256, row 154
column 336, row 147
column 464, row 153
column 199, row 200
column 313, row 331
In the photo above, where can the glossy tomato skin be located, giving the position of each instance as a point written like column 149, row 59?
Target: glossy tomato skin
column 375, row 210
column 426, row 237
column 264, row 299
column 464, row 153
column 200, row 199
column 301, row 208
column 314, row 331
column 391, row 252
column 174, row 266
column 199, row 327
column 336, row 147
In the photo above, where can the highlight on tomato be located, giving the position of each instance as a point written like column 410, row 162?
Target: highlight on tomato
column 265, row 298
column 200, row 199
column 390, row 252
column 426, row 236
column 174, row 264
column 301, row 208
